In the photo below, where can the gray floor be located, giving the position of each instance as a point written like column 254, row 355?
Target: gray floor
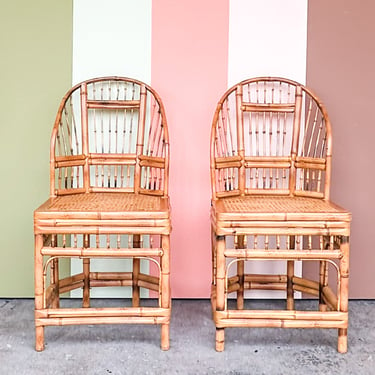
column 123, row 349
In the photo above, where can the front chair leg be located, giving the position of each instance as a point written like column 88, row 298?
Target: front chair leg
column 220, row 336
column 220, row 288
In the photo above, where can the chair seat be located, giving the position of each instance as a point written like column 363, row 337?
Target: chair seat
column 105, row 211
column 233, row 213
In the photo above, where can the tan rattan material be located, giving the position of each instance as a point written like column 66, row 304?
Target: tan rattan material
column 108, row 199
column 270, row 175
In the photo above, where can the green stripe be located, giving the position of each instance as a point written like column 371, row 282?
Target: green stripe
column 35, row 72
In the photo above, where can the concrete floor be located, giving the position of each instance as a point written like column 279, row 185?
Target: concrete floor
column 124, row 349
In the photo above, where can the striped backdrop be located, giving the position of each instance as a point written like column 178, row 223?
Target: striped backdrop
column 190, row 52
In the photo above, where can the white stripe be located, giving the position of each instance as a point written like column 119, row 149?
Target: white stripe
column 111, row 37
column 267, row 38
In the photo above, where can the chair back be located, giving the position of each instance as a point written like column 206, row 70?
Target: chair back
column 270, row 136
column 110, row 135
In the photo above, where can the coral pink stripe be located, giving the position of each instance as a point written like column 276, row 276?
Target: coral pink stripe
column 189, row 71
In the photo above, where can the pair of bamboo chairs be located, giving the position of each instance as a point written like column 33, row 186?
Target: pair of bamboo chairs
column 270, row 174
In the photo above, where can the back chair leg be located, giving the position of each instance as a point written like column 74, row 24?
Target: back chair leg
column 289, row 285
column 86, row 274
column 290, row 275
column 55, row 281
column 86, row 283
column 323, row 281
column 241, row 244
column 136, row 270
column 241, row 279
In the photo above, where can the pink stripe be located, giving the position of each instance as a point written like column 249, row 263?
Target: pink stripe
column 189, row 71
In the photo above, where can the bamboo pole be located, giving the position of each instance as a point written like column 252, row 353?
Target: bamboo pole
column 290, row 275
column 136, row 270
column 101, row 253
column 240, row 140
column 294, row 315
column 39, row 290
column 220, row 337
column 330, row 298
column 86, row 282
column 240, row 273
column 55, row 281
column 220, row 288
column 65, row 321
column 307, row 283
column 266, row 278
column 342, row 344
column 279, row 323
column 104, row 312
column 165, row 289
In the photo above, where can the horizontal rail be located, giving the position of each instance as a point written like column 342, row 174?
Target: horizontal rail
column 113, row 104
column 268, row 107
column 282, row 254
column 101, row 252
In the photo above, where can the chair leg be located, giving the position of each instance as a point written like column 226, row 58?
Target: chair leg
column 135, row 286
column 55, row 281
column 342, row 344
column 241, row 279
column 323, row 281
column 290, row 275
column 289, row 287
column 220, row 288
column 86, row 274
column 39, row 338
column 39, row 288
column 136, row 270
column 220, row 338
column 165, row 336
column 165, row 298
column 241, row 243
column 86, row 283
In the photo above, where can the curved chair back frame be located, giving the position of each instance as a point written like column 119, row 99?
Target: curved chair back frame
column 270, row 136
column 110, row 134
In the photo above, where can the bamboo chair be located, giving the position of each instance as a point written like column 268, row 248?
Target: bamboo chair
column 270, row 177
column 108, row 199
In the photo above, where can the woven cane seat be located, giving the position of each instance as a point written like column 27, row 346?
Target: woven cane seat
column 278, row 208
column 105, row 205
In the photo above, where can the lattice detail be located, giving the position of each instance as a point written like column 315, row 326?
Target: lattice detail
column 272, row 135
column 110, row 133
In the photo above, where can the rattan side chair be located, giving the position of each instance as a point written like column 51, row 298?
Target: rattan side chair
column 270, row 175
column 109, row 162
